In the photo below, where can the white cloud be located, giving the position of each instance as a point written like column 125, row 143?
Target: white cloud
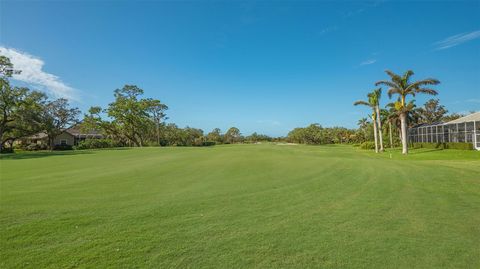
column 32, row 74
column 369, row 61
column 456, row 40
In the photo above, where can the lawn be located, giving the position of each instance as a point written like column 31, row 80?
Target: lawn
column 240, row 206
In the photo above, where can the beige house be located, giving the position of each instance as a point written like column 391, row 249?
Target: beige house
column 69, row 137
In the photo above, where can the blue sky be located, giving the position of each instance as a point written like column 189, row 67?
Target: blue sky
column 261, row 66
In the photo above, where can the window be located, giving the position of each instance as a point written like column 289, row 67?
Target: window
column 63, row 142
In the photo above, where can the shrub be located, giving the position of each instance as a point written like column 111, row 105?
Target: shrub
column 35, row 147
column 62, row 147
column 367, row 145
column 208, row 143
column 97, row 144
column 6, row 150
column 429, row 145
column 460, row 145
column 448, row 145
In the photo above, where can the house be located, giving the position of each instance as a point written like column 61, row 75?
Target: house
column 69, row 137
column 463, row 130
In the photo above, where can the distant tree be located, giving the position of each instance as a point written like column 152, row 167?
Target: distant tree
column 192, row 136
column 157, row 113
column 93, row 121
column 215, row 135
column 58, row 116
column 452, row 116
column 432, row 111
column 255, row 137
column 372, row 103
column 20, row 110
column 232, row 135
column 363, row 125
column 132, row 119
column 402, row 86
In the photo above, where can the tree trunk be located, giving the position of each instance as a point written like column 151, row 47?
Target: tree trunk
column 50, row 142
column 158, row 134
column 403, row 120
column 390, row 133
column 379, row 128
column 375, row 133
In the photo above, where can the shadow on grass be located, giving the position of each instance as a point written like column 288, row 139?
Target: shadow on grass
column 40, row 154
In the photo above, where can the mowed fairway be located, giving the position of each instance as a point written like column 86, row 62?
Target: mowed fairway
column 240, row 206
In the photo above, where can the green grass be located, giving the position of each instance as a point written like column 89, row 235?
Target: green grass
column 241, row 206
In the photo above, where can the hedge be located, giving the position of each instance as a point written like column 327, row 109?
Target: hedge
column 448, row 145
column 97, row 144
column 367, row 145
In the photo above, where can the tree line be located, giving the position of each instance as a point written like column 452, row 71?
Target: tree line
column 134, row 120
column 130, row 120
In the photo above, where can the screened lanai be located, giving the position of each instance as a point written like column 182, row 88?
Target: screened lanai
column 465, row 129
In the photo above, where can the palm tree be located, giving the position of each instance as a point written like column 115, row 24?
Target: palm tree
column 402, row 86
column 392, row 118
column 376, row 95
column 363, row 123
column 371, row 104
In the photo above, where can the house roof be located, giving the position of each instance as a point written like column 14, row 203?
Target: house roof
column 75, row 131
column 428, row 124
column 40, row 135
column 472, row 117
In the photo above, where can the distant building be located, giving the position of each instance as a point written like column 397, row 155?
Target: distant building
column 69, row 137
column 465, row 129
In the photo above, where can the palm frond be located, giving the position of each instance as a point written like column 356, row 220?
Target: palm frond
column 386, row 83
column 406, row 76
column 392, row 75
column 428, row 81
column 393, row 91
column 426, row 91
column 361, row 103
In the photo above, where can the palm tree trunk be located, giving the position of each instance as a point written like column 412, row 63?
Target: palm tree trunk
column 403, row 120
column 390, row 133
column 379, row 128
column 375, row 132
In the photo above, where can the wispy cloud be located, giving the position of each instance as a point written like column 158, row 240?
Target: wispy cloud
column 368, row 62
column 328, row 29
column 456, row 40
column 269, row 122
column 474, row 101
column 32, row 73
column 353, row 12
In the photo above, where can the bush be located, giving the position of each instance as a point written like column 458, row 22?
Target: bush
column 429, row 145
column 448, row 145
column 367, row 145
column 97, row 144
column 6, row 150
column 462, row 146
column 62, row 147
column 208, row 143
column 35, row 147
